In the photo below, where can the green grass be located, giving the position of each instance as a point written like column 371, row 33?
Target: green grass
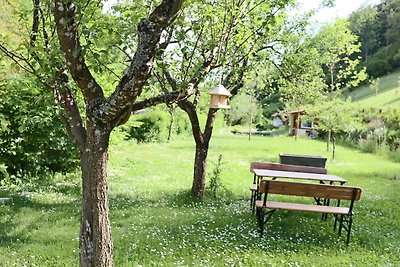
column 156, row 223
column 388, row 94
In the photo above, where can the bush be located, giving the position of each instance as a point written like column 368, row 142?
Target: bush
column 368, row 145
column 181, row 123
column 393, row 139
column 378, row 65
column 149, row 127
column 32, row 138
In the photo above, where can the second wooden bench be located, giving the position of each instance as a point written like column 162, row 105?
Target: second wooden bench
column 342, row 214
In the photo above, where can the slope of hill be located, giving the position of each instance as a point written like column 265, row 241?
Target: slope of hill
column 388, row 93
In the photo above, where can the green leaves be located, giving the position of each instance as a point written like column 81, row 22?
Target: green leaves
column 32, row 137
column 337, row 47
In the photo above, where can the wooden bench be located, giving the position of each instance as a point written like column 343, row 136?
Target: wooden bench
column 265, row 207
column 276, row 167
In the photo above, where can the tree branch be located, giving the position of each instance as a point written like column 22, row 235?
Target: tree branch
column 119, row 104
column 67, row 29
column 190, row 109
column 73, row 120
column 167, row 98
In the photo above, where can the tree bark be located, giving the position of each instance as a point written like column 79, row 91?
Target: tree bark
column 202, row 145
column 200, row 165
column 95, row 234
column 328, row 141
column 202, row 140
column 171, row 122
column 333, row 146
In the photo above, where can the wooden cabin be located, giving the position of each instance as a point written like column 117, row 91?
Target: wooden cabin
column 298, row 126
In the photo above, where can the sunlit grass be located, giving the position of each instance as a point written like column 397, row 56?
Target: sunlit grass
column 155, row 222
column 388, row 93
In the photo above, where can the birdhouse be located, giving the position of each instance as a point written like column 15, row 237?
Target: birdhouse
column 219, row 97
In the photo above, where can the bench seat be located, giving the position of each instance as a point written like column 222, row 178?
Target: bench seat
column 302, row 207
column 265, row 208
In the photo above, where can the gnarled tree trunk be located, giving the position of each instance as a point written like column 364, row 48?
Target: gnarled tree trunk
column 95, row 234
column 102, row 115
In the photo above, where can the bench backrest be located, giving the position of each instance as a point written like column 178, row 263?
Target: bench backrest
column 286, row 167
column 310, row 190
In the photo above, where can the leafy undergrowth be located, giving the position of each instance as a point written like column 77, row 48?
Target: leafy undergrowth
column 155, row 222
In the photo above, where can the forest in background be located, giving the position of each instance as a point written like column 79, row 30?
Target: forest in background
column 378, row 31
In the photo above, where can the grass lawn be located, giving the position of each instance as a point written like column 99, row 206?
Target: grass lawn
column 156, row 223
column 388, row 94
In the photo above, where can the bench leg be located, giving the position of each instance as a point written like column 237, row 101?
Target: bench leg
column 349, row 230
column 335, row 222
column 346, row 224
column 252, row 201
column 262, row 218
column 340, row 225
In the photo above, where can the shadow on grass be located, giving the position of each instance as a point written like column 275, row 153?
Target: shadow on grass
column 28, row 215
column 219, row 221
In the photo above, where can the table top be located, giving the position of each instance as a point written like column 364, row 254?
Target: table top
column 299, row 175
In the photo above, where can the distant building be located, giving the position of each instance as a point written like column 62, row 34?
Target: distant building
column 279, row 118
column 299, row 126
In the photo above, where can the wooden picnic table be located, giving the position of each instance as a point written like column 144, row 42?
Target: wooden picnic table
column 322, row 178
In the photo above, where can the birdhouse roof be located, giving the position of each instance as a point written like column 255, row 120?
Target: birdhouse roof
column 219, row 90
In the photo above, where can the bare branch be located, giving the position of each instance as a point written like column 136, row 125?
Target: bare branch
column 193, row 51
column 172, row 82
column 24, row 64
column 125, row 53
column 45, row 34
column 167, row 98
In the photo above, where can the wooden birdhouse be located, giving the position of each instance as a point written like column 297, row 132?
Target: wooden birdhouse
column 219, row 97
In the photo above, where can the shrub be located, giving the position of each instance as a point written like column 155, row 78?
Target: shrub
column 215, row 177
column 368, row 145
column 32, row 137
column 378, row 65
column 181, row 123
column 149, row 127
column 393, row 139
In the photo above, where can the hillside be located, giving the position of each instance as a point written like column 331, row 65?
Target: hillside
column 388, row 93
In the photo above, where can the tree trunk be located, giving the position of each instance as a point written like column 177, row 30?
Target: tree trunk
column 171, row 123
column 95, row 234
column 328, row 142
column 200, row 164
column 251, row 116
column 333, row 147
column 332, row 81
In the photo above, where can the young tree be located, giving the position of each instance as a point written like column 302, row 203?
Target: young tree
column 75, row 25
column 337, row 45
column 334, row 116
column 374, row 85
column 219, row 41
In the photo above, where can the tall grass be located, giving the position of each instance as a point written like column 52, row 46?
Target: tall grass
column 155, row 222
